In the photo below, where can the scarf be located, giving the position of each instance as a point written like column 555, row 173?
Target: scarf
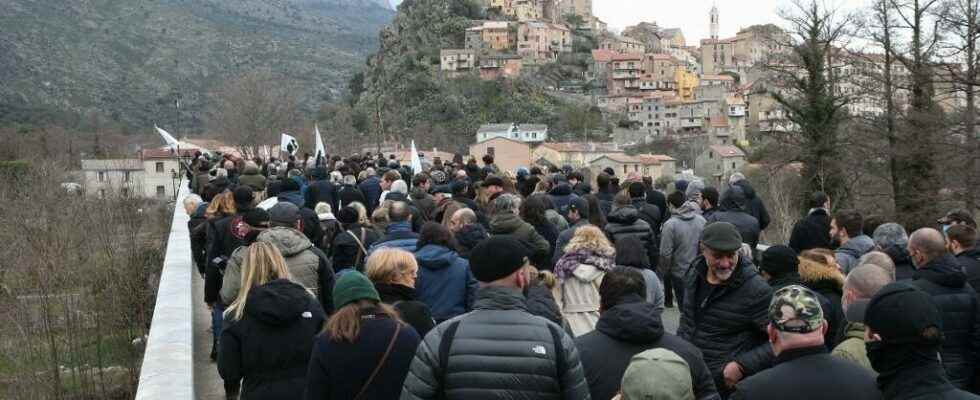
column 571, row 260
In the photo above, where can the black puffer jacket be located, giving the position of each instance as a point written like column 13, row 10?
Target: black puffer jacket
column 625, row 221
column 649, row 213
column 729, row 324
column 754, row 204
column 970, row 260
column 733, row 210
column 809, row 374
column 628, row 329
column 269, row 348
column 944, row 280
column 498, row 351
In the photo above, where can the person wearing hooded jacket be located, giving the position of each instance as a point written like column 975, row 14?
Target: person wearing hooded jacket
column 679, row 244
column 445, row 282
column 505, row 221
column 892, row 239
column 588, row 256
column 268, row 330
column 627, row 326
column 754, row 204
column 624, row 221
column 820, row 273
column 733, row 210
column 561, row 196
column 307, row 265
column 355, row 342
column 942, row 278
column 813, row 231
column 252, row 177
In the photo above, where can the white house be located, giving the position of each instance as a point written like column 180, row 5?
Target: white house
column 528, row 133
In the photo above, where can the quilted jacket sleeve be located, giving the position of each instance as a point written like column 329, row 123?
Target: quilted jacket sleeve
column 573, row 383
column 421, row 381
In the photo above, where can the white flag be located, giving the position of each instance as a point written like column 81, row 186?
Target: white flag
column 416, row 161
column 167, row 138
column 320, row 151
column 288, row 144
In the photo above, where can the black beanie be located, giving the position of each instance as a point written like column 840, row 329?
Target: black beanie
column 497, row 257
column 780, row 259
column 244, row 195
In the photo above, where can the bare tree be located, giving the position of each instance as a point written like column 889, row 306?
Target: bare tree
column 961, row 21
column 251, row 110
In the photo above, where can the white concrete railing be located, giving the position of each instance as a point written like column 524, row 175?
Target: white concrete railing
column 168, row 363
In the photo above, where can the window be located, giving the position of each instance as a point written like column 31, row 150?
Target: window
column 534, row 135
column 101, row 176
column 126, row 176
column 159, row 167
column 161, row 191
column 101, row 193
column 625, row 171
column 711, row 155
column 733, row 165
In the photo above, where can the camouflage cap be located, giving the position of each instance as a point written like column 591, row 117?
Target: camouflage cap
column 795, row 309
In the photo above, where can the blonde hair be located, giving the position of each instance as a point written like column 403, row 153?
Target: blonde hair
column 221, row 205
column 591, row 238
column 345, row 324
column 263, row 264
column 385, row 265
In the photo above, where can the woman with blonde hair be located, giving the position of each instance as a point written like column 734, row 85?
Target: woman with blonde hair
column 365, row 350
column 819, row 271
column 222, row 205
column 394, row 273
column 268, row 329
column 588, row 256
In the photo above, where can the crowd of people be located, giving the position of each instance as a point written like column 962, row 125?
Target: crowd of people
column 358, row 278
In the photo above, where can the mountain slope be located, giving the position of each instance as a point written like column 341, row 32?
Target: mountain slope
column 129, row 59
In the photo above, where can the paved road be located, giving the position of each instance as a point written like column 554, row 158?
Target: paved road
column 207, row 383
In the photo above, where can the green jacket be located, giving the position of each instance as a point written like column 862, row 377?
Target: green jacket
column 852, row 347
column 510, row 224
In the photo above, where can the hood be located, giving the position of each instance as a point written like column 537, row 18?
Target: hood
column 636, row 322
column 469, row 236
column 858, row 246
column 251, row 169
column 746, row 188
column 505, row 223
column 624, row 215
column 289, row 241
column 944, row 271
column 435, row 257
column 687, row 211
column 279, row 303
column 816, row 274
column 733, row 200
column 563, row 189
column 854, row 330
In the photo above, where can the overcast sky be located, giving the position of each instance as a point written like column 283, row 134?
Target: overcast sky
column 692, row 15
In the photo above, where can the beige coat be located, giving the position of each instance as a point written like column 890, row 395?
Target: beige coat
column 578, row 298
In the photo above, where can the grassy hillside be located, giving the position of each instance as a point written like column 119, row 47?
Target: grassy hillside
column 128, row 59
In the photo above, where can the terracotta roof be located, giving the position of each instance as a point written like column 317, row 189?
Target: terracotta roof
column 728, row 151
column 719, row 121
column 620, row 158
column 627, row 57
column 654, row 159
column 707, row 77
column 583, row 147
column 165, row 153
column 603, row 55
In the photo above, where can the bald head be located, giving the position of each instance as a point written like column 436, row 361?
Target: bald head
column 866, row 280
column 879, row 259
column 399, row 212
column 925, row 245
